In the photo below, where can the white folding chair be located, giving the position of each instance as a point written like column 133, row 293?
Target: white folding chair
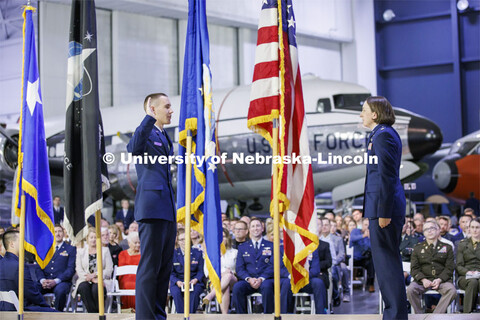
column 250, row 297
column 116, row 293
column 10, row 297
column 351, row 268
column 304, row 302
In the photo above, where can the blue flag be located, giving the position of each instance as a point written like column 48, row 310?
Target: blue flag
column 197, row 114
column 33, row 178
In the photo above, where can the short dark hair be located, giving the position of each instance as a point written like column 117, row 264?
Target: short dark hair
column 152, row 96
column 476, row 220
column 382, row 107
column 8, row 237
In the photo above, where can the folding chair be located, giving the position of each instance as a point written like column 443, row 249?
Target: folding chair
column 116, row 293
column 304, row 302
column 10, row 297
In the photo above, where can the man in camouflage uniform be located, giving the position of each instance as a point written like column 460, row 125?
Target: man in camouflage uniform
column 432, row 269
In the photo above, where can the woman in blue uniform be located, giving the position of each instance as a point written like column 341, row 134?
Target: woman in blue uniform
column 177, row 277
column 384, row 204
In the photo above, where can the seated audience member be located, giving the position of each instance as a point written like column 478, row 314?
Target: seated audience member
column 197, row 240
column 336, row 246
column 469, row 212
column 241, row 233
column 130, row 257
column 228, row 263
column 445, row 224
column 246, row 219
column 432, row 266
column 33, row 300
column 177, row 278
column 132, row 228
column 125, row 214
column 468, row 266
column 115, row 234
column 419, row 220
column 330, row 216
column 408, row 241
column 254, row 270
column 57, row 276
column 362, row 251
column 357, row 215
column 86, row 267
column 114, row 249
column 121, row 227
column 341, row 270
column 320, row 260
column 463, row 224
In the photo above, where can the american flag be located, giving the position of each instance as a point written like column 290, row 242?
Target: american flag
column 275, row 80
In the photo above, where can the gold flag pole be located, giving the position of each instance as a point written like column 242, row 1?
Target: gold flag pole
column 21, row 259
column 101, row 305
column 188, row 199
column 276, row 235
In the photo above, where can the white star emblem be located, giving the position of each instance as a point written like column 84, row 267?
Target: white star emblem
column 265, row 1
column 288, row 7
column 32, row 95
column 212, row 167
column 291, row 22
column 88, row 36
column 201, row 91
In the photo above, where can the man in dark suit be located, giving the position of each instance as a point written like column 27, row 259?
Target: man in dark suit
column 463, row 223
column 125, row 214
column 58, row 211
column 254, row 270
column 57, row 276
column 33, row 300
column 154, row 208
column 178, row 276
column 385, row 204
column 320, row 261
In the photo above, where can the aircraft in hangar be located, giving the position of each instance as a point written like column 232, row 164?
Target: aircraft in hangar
column 458, row 173
column 334, row 128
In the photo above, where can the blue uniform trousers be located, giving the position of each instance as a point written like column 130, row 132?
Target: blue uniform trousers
column 177, row 295
column 60, row 291
column 157, row 239
column 385, row 244
column 242, row 289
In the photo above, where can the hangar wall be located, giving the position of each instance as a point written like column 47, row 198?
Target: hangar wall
column 428, row 58
column 141, row 47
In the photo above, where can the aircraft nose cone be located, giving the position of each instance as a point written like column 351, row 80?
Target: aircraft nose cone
column 424, row 137
column 445, row 173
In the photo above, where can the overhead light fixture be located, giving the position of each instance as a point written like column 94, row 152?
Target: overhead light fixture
column 388, row 15
column 462, row 5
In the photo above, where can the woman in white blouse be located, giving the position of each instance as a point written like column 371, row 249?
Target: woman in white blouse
column 228, row 278
column 86, row 267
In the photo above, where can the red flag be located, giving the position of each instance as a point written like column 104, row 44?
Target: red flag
column 277, row 93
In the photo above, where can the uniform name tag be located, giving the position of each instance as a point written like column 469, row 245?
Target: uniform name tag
column 157, row 143
column 176, row 263
column 194, row 262
column 64, row 253
column 443, row 250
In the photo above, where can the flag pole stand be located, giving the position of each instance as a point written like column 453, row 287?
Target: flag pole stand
column 276, row 235
column 101, row 300
column 188, row 199
column 21, row 260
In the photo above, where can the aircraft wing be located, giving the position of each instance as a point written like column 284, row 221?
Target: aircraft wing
column 357, row 187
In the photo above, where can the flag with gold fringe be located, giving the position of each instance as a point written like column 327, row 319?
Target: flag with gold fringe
column 33, row 177
column 197, row 114
column 277, row 93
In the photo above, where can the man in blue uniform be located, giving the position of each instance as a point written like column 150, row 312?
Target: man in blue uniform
column 254, row 270
column 320, row 261
column 178, row 276
column 33, row 300
column 57, row 276
column 384, row 204
column 154, row 208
